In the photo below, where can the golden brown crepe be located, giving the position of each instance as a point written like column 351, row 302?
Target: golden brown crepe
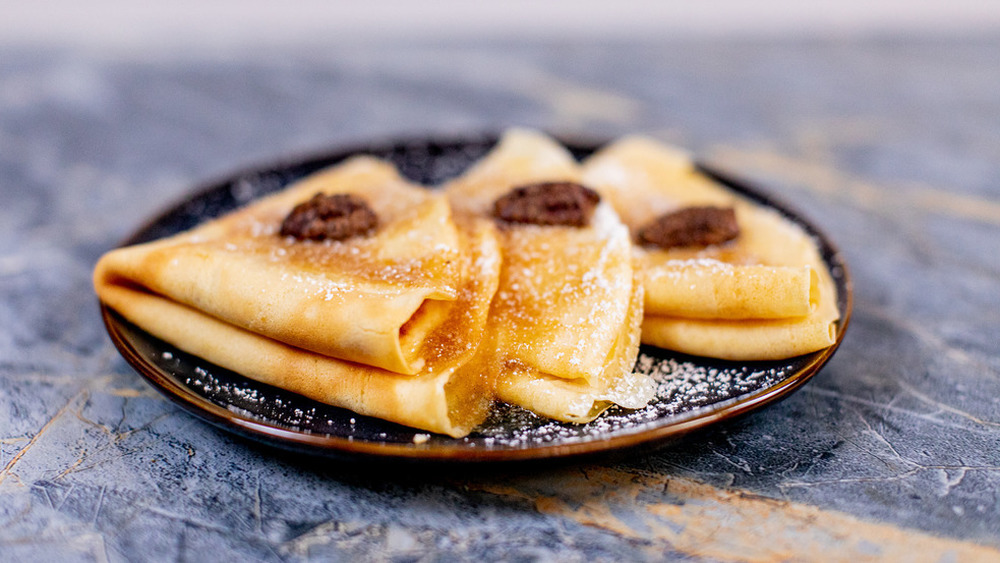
column 561, row 338
column 363, row 290
column 328, row 319
column 765, row 295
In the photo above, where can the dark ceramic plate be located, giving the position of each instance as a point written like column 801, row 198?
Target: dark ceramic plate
column 692, row 392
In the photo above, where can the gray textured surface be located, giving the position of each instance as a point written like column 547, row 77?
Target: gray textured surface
column 891, row 146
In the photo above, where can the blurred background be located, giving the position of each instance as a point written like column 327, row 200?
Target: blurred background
column 234, row 23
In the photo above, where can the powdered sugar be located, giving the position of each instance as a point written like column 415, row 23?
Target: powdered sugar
column 684, row 387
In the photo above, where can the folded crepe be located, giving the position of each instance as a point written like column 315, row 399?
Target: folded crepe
column 562, row 335
column 765, row 295
column 383, row 324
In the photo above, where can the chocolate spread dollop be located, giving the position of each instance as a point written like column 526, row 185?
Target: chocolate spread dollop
column 691, row 226
column 548, row 203
column 334, row 217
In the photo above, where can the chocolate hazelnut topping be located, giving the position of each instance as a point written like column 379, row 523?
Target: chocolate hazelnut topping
column 548, row 203
column 335, row 217
column 691, row 226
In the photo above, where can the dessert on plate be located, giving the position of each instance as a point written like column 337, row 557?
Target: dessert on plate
column 530, row 278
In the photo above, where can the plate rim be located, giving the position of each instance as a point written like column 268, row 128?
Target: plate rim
column 333, row 445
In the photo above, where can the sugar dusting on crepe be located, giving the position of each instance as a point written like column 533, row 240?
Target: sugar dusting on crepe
column 682, row 387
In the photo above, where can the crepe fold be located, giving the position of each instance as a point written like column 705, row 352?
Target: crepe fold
column 706, row 288
column 579, row 400
column 765, row 295
column 383, row 325
column 562, row 334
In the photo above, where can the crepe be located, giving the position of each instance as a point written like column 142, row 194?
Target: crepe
column 766, row 295
column 363, row 290
column 561, row 338
column 382, row 325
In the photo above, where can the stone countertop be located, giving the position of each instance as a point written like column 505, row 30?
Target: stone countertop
column 893, row 450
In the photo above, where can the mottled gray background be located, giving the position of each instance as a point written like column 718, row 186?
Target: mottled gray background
column 890, row 143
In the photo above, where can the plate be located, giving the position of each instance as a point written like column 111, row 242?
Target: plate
column 692, row 392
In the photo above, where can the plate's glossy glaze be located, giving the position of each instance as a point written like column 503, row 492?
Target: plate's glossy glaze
column 692, row 392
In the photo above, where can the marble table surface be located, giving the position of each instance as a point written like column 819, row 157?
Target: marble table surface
column 891, row 145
